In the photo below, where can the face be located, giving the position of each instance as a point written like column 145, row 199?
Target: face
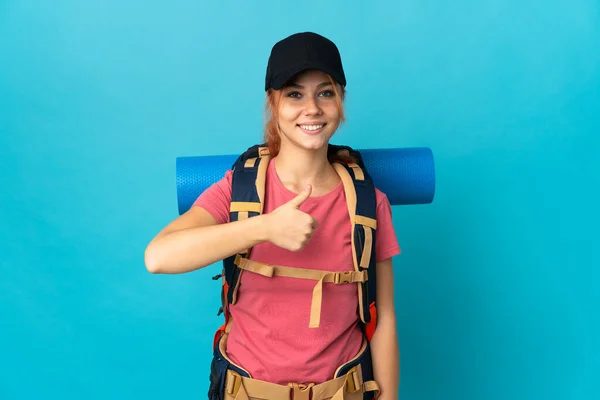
column 308, row 112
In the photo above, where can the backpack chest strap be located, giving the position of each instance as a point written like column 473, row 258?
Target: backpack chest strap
column 338, row 278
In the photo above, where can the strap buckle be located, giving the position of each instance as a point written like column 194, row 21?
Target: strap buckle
column 238, row 258
column 353, row 381
column 263, row 151
column 301, row 391
column 234, row 381
column 341, row 278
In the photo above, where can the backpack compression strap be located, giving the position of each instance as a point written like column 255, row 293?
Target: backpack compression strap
column 320, row 276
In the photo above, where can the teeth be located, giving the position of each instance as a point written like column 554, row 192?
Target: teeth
column 311, row 127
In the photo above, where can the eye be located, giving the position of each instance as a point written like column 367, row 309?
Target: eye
column 327, row 93
column 294, row 95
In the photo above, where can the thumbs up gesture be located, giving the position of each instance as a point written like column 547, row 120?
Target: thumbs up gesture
column 288, row 227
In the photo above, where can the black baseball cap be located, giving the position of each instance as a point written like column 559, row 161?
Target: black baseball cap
column 301, row 52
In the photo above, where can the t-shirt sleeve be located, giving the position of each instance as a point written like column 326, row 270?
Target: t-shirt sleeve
column 386, row 242
column 217, row 198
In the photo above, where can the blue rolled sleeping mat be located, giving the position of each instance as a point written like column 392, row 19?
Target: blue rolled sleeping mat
column 405, row 175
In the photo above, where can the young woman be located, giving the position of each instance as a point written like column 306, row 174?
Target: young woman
column 305, row 224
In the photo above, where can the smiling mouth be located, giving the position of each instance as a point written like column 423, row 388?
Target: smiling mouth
column 312, row 128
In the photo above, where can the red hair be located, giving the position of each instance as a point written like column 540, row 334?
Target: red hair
column 272, row 135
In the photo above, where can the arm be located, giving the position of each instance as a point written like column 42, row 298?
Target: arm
column 195, row 240
column 384, row 344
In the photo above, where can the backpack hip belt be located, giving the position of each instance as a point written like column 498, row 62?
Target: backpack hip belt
column 352, row 381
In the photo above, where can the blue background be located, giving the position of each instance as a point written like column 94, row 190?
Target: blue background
column 496, row 290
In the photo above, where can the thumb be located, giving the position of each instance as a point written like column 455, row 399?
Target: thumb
column 302, row 196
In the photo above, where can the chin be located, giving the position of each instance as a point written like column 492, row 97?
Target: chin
column 314, row 143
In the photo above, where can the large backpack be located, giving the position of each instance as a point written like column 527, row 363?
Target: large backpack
column 247, row 201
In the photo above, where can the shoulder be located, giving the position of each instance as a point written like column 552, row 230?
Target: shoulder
column 384, row 208
column 381, row 197
column 226, row 181
column 223, row 185
column 216, row 198
column 227, row 178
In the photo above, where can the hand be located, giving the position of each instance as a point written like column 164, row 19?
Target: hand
column 288, row 227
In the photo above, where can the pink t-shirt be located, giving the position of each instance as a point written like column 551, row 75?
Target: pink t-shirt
column 269, row 336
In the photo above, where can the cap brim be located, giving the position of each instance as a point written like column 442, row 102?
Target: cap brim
column 278, row 82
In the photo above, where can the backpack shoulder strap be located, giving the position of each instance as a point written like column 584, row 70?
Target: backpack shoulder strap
column 248, row 183
column 362, row 208
column 247, row 201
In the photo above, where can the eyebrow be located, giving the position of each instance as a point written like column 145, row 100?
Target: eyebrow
column 320, row 85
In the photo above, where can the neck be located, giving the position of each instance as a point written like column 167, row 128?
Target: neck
column 297, row 168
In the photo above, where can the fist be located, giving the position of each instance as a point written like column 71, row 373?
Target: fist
column 288, row 227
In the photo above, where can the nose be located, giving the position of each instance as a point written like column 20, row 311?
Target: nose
column 312, row 107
